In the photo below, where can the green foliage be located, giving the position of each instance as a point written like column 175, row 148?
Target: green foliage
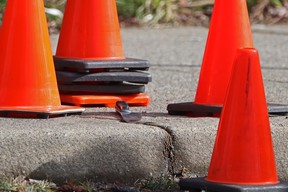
column 2, row 7
column 58, row 4
column 162, row 183
column 148, row 11
column 7, row 186
column 128, row 8
column 251, row 3
column 21, row 184
column 276, row 3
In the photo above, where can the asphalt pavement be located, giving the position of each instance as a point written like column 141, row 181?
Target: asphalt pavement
column 97, row 146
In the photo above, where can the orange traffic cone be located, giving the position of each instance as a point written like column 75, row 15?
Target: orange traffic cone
column 97, row 35
column 229, row 30
column 28, row 86
column 90, row 42
column 243, row 157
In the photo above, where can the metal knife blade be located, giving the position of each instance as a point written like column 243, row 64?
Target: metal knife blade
column 122, row 108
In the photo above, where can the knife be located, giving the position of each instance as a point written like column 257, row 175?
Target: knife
column 122, row 108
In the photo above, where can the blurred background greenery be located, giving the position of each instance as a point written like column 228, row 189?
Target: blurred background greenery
column 171, row 12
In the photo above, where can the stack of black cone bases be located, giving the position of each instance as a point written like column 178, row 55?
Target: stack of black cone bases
column 90, row 61
column 121, row 77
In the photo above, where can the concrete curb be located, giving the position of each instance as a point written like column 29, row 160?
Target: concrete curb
column 77, row 148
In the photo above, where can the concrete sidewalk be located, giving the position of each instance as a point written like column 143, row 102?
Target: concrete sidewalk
column 97, row 146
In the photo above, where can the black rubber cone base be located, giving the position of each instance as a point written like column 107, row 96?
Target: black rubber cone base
column 94, row 65
column 197, row 110
column 102, row 89
column 40, row 112
column 200, row 184
column 193, row 109
column 277, row 109
column 64, row 77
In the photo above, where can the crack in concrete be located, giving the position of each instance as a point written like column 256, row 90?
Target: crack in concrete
column 169, row 150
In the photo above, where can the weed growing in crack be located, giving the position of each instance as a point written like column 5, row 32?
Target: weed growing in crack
column 162, row 183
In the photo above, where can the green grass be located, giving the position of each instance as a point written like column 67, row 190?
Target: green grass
column 163, row 183
column 159, row 184
column 21, row 184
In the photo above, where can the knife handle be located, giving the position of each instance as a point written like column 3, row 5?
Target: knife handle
column 122, row 106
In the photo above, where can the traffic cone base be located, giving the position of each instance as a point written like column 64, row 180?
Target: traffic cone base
column 64, row 77
column 39, row 112
column 197, row 110
column 106, row 100
column 102, row 89
column 199, row 184
column 277, row 109
column 194, row 109
column 83, row 65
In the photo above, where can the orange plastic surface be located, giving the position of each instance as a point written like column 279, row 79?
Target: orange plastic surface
column 34, row 112
column 243, row 151
column 106, row 100
column 27, row 75
column 229, row 30
column 90, row 30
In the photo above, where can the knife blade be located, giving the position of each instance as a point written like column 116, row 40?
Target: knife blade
column 122, row 108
